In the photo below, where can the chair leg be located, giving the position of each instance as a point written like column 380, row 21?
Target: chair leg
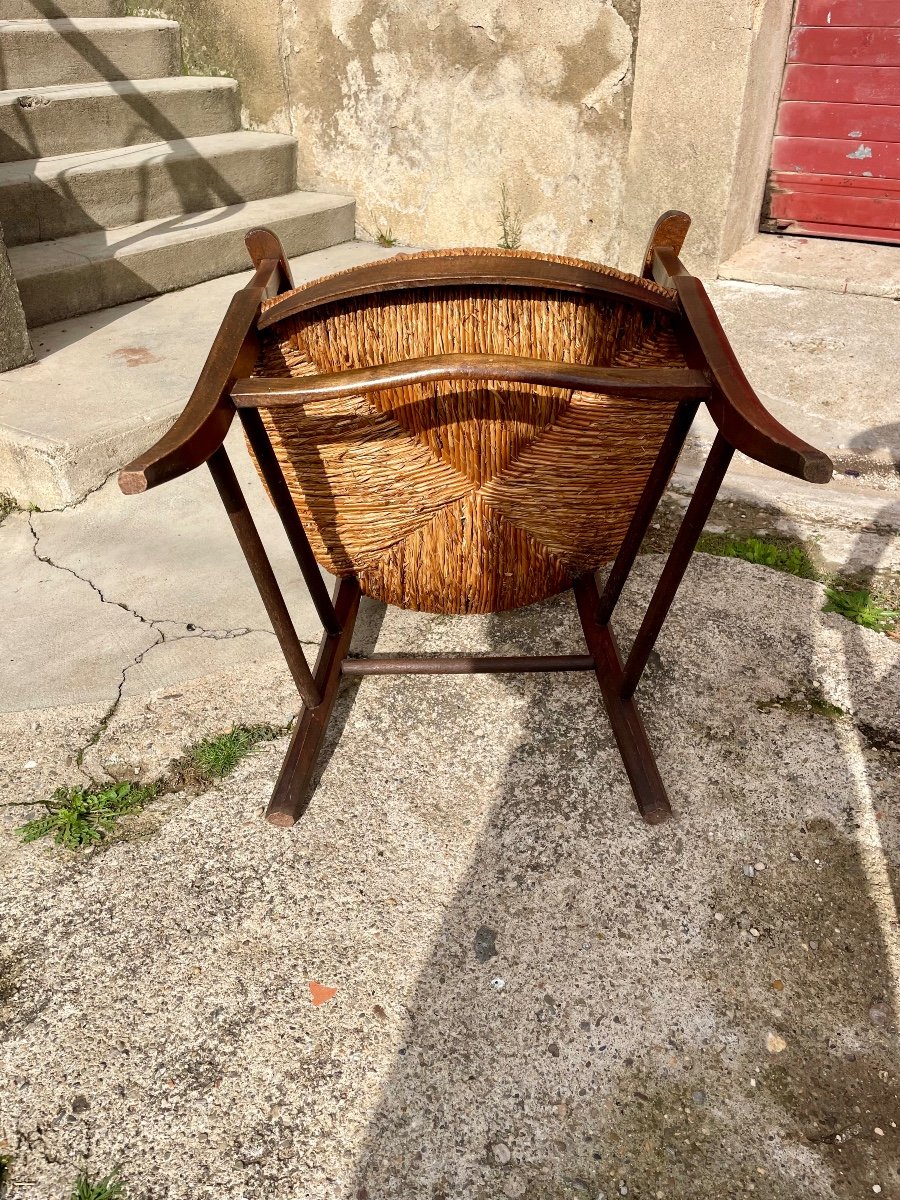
column 624, row 717
column 291, row 795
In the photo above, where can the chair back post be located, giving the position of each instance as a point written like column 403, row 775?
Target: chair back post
column 261, row 446
column 242, row 522
column 268, row 255
column 717, row 463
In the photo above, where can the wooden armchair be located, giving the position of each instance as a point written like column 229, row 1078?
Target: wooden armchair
column 470, row 431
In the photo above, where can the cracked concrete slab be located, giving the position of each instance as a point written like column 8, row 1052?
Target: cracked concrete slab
column 169, row 562
column 60, row 640
column 705, row 1009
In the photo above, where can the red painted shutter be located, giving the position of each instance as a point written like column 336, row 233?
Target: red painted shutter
column 836, row 157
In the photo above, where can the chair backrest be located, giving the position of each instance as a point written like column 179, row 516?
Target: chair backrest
column 461, row 496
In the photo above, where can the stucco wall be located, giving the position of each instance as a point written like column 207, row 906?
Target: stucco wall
column 424, row 111
column 596, row 115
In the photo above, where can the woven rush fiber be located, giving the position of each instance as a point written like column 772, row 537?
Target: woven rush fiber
column 458, row 497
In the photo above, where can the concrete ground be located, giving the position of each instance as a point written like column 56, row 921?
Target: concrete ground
column 537, row 996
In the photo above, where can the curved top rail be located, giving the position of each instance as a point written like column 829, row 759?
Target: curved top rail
column 477, row 270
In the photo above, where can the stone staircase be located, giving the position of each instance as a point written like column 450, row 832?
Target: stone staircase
column 120, row 178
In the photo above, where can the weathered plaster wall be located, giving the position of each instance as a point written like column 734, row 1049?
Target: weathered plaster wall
column 707, row 79
column 597, row 115
column 424, row 111
column 240, row 39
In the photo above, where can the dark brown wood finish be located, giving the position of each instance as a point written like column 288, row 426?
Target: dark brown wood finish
column 734, row 406
column 624, row 717
column 236, row 506
column 656, row 484
column 290, row 519
column 642, row 383
column 207, row 417
column 500, row 270
column 291, row 795
column 712, row 376
column 670, row 230
column 395, row 664
column 265, row 247
column 683, row 547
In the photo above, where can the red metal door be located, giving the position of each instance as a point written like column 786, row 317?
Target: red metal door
column 835, row 168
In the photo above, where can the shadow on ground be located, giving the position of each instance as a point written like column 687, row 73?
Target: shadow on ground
column 699, row 1010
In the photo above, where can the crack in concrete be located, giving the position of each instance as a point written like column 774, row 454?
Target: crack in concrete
column 160, row 636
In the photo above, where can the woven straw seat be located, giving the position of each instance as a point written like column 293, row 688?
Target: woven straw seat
column 469, row 431
column 458, row 496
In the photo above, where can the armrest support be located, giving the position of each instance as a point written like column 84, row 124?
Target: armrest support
column 740, row 415
column 207, row 417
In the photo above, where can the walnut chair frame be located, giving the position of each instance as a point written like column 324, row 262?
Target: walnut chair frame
column 711, row 376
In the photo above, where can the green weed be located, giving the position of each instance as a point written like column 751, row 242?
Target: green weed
column 217, row 756
column 82, row 816
column 7, row 506
column 859, row 607
column 510, row 222
column 5, row 1170
column 807, row 702
column 778, row 554
column 111, row 1187
column 385, row 237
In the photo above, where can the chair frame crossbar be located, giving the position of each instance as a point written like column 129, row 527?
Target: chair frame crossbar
column 226, row 390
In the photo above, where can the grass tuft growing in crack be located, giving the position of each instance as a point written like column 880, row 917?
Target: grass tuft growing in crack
column 7, row 506
column 111, row 1187
column 860, row 607
column 777, row 553
column 510, row 222
column 385, row 237
column 216, row 757
column 79, row 816
column 6, row 1162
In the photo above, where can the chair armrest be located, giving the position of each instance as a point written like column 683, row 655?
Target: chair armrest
column 208, row 414
column 740, row 415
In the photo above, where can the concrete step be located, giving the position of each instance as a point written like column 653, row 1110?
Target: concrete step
column 86, row 50
column 106, row 385
column 18, row 10
column 70, row 194
column 79, row 274
column 75, row 118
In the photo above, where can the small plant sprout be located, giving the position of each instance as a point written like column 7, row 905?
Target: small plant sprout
column 5, row 1170
column 510, row 222
column 111, row 1187
column 385, row 237
column 82, row 816
column 779, row 555
column 860, row 608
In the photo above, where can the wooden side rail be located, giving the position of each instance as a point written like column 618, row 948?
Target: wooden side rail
column 742, row 418
column 648, row 384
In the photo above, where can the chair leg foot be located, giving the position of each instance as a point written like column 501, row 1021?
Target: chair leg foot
column 290, row 798
column 624, row 717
